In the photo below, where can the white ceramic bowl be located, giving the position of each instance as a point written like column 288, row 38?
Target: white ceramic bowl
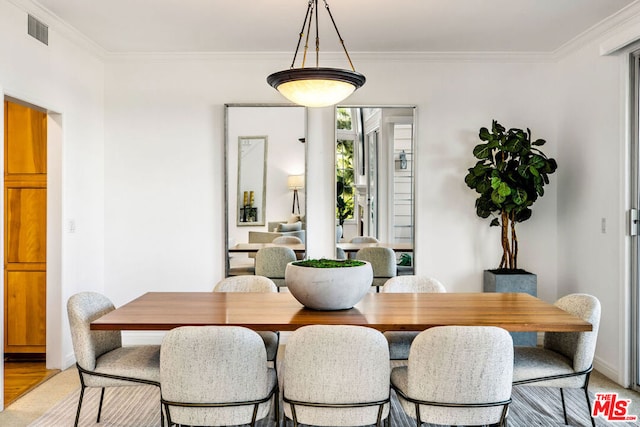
column 337, row 288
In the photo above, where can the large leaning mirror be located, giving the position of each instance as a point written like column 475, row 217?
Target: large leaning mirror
column 264, row 174
column 375, row 178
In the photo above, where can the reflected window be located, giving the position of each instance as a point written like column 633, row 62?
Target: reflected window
column 345, row 164
column 344, row 180
column 375, row 173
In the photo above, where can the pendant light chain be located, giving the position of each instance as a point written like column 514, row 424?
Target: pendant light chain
column 312, row 4
column 326, row 5
column 308, row 19
column 304, row 24
column 317, row 38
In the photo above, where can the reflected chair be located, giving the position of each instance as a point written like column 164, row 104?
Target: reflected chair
column 101, row 359
column 336, row 375
column 383, row 263
column 565, row 359
column 216, row 375
column 457, row 375
column 361, row 239
column 287, row 240
column 364, row 239
column 400, row 341
column 254, row 284
column 272, row 262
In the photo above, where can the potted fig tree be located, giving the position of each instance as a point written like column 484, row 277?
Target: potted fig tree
column 509, row 176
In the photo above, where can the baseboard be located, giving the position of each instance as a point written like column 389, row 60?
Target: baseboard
column 608, row 371
column 69, row 360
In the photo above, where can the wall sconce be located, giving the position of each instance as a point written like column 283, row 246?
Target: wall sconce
column 403, row 160
column 295, row 182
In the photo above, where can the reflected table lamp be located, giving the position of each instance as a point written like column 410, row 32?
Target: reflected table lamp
column 295, row 182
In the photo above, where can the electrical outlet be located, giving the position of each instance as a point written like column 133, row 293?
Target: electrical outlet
column 603, row 225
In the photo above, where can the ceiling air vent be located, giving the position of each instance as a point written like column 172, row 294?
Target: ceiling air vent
column 38, row 30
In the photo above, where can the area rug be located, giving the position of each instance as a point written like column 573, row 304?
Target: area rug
column 140, row 407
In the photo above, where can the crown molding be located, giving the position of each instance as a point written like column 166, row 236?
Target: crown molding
column 600, row 30
column 196, row 56
column 334, row 57
column 505, row 57
column 61, row 27
column 603, row 28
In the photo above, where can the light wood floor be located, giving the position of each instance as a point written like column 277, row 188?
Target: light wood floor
column 22, row 376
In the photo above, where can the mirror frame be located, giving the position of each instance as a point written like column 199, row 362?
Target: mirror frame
column 227, row 213
column 360, row 157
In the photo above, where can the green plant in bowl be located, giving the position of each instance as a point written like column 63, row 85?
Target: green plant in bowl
column 328, row 263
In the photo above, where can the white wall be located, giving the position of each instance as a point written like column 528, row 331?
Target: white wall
column 454, row 99
column 163, row 153
column 67, row 79
column 162, row 194
column 593, row 182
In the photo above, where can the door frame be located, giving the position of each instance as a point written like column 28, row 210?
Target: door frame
column 55, row 297
column 632, row 220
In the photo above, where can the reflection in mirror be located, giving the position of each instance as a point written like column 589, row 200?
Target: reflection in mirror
column 273, row 136
column 375, row 178
column 252, row 178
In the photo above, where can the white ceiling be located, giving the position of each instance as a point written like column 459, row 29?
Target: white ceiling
column 366, row 25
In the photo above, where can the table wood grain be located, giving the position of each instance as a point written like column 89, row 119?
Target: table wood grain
column 382, row 311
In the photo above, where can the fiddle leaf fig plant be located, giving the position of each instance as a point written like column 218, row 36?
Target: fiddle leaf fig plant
column 509, row 176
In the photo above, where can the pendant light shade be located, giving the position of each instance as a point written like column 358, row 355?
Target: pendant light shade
column 316, row 86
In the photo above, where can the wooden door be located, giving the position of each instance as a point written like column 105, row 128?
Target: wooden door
column 25, row 220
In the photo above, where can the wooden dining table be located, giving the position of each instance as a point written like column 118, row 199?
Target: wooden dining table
column 514, row 312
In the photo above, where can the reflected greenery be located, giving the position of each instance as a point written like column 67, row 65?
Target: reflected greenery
column 344, row 180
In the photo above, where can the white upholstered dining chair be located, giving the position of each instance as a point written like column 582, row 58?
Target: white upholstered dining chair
column 566, row 358
column 457, row 375
column 101, row 359
column 400, row 341
column 336, row 375
column 216, row 376
column 249, row 283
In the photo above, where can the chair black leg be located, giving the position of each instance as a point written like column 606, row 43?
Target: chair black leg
column 100, row 406
column 564, row 409
column 276, row 401
column 79, row 406
column 586, row 395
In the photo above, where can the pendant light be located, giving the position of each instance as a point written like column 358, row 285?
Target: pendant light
column 316, row 86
